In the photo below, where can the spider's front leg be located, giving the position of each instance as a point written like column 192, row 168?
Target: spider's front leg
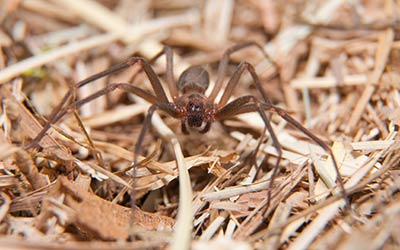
column 282, row 113
column 63, row 107
column 247, row 104
column 251, row 104
column 170, row 108
column 223, row 65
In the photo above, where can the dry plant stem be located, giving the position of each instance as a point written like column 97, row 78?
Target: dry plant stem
column 139, row 30
column 95, row 13
column 258, row 215
column 317, row 224
column 281, row 214
column 183, row 228
column 183, row 233
column 382, row 55
column 215, row 225
column 107, row 20
column 328, row 81
column 31, row 126
column 217, row 20
column 327, row 213
column 5, row 206
column 351, row 190
column 47, row 8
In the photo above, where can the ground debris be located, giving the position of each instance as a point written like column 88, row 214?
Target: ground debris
column 332, row 65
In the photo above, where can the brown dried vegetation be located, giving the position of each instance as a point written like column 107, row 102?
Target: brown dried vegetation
column 339, row 74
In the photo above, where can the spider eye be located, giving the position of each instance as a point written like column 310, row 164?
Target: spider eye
column 195, row 107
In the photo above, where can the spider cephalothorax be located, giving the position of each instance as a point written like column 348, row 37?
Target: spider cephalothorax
column 196, row 112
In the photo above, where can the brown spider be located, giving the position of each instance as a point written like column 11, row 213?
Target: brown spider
column 193, row 107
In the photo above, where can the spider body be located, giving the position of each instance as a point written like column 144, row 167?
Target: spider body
column 195, row 108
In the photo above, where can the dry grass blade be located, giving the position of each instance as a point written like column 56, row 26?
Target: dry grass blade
column 183, row 228
column 382, row 55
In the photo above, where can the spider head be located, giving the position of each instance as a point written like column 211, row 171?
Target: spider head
column 195, row 112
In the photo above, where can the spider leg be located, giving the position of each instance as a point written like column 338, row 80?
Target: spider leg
column 235, row 80
column 109, row 88
column 155, row 82
column 167, row 107
column 249, row 107
column 232, row 108
column 169, row 71
column 236, row 105
column 206, row 128
column 282, row 113
column 145, row 126
column 137, row 150
column 184, row 127
column 170, row 108
column 224, row 64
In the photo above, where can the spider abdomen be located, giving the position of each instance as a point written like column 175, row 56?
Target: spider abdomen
column 194, row 79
